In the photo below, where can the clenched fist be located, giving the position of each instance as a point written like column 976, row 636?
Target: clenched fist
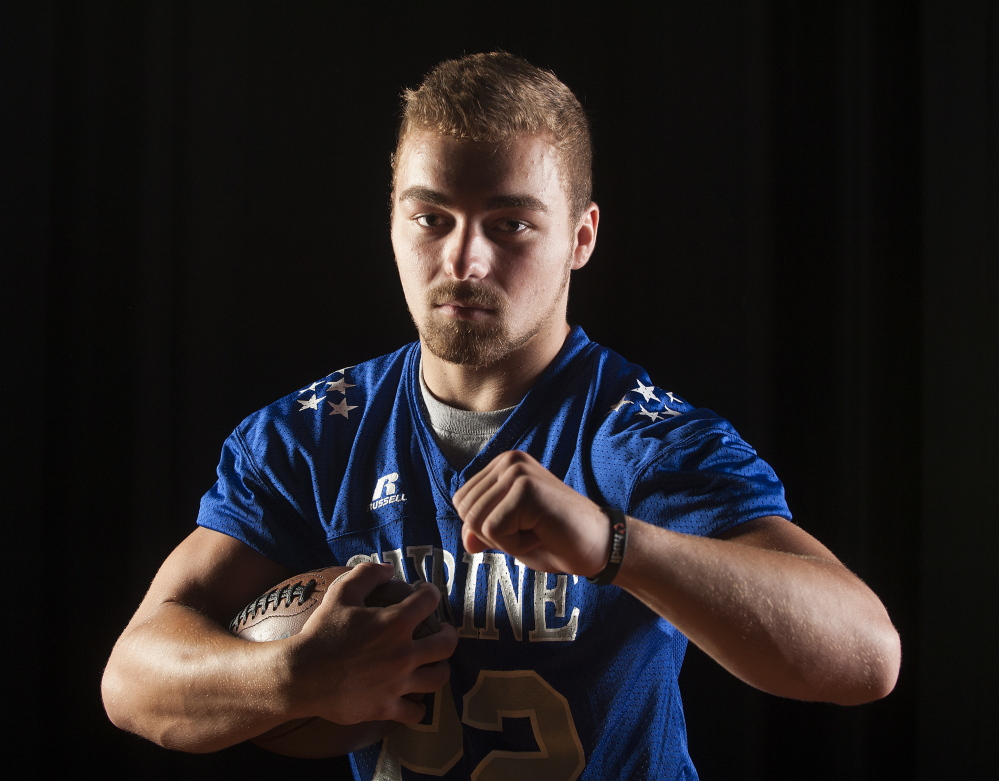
column 517, row 506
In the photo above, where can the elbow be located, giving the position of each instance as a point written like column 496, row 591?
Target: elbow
column 114, row 695
column 855, row 672
column 890, row 658
column 876, row 670
column 121, row 705
column 126, row 711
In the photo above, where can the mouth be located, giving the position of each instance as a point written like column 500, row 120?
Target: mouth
column 463, row 310
column 465, row 302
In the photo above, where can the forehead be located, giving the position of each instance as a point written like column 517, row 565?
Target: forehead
column 460, row 169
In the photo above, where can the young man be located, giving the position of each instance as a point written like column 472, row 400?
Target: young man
column 518, row 468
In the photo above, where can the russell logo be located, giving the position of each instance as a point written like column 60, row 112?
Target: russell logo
column 386, row 491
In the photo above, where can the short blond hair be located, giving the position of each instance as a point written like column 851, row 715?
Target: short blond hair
column 496, row 96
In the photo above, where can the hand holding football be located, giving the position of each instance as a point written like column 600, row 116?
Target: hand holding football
column 282, row 612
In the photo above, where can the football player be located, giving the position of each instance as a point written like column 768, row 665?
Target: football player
column 578, row 521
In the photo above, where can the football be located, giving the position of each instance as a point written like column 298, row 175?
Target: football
column 281, row 612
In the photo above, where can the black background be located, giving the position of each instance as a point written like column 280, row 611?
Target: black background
column 799, row 231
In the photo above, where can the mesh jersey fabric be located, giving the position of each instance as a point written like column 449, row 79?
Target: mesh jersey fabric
column 553, row 678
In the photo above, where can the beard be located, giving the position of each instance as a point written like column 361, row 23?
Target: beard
column 467, row 342
column 471, row 343
column 464, row 341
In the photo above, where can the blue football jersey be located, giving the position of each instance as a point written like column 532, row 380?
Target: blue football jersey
column 553, row 678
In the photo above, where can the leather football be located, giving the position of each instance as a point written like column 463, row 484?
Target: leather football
column 281, row 612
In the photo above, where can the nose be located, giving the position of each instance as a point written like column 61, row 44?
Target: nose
column 467, row 254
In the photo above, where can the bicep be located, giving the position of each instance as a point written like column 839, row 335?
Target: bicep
column 212, row 573
column 778, row 534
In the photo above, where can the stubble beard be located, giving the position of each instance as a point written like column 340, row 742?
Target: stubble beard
column 467, row 342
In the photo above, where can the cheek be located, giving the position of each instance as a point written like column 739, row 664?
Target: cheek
column 407, row 277
column 415, row 278
column 415, row 268
column 547, row 272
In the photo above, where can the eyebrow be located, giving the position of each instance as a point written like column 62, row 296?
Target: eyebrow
column 424, row 194
column 528, row 202
column 435, row 198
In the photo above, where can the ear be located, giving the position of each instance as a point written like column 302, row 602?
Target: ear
column 586, row 236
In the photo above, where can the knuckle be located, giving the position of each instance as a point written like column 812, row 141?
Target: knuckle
column 366, row 567
column 520, row 469
column 408, row 658
column 510, row 459
column 472, row 515
column 521, row 487
column 382, row 711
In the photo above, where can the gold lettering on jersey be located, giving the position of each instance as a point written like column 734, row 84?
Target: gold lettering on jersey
column 471, row 578
column 500, row 582
column 439, row 560
column 394, row 557
column 436, row 565
column 542, row 596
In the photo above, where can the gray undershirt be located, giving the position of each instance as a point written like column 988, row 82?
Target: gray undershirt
column 460, row 433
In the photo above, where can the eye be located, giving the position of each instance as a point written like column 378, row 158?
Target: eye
column 511, row 225
column 430, row 220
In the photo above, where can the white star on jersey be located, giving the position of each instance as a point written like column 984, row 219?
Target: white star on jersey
column 648, row 391
column 619, row 405
column 342, row 408
column 653, row 416
column 311, row 388
column 312, row 403
column 340, row 386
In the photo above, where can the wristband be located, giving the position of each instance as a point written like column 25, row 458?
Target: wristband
column 619, row 541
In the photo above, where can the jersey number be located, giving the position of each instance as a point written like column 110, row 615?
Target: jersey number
column 434, row 748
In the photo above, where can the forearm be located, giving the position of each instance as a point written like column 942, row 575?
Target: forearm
column 770, row 603
column 180, row 680
column 792, row 625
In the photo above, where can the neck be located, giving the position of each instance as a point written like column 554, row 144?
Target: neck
column 497, row 386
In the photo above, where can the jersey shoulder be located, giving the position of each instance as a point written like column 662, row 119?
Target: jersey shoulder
column 334, row 405
column 281, row 471
column 670, row 462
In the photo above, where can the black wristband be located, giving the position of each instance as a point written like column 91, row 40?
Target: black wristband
column 619, row 541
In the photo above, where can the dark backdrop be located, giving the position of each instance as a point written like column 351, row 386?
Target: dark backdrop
column 799, row 231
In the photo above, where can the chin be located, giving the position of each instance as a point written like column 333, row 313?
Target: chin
column 467, row 343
